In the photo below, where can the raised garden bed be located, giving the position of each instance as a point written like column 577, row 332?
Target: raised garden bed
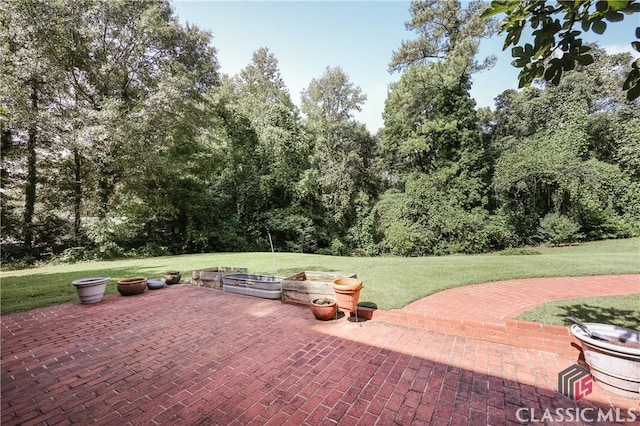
column 306, row 286
column 265, row 286
column 212, row 277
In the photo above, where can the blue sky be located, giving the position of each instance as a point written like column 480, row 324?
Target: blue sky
column 359, row 36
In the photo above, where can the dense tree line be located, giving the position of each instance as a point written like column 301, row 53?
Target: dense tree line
column 121, row 137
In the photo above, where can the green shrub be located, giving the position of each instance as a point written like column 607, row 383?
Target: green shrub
column 558, row 229
column 151, row 250
column 519, row 251
column 72, row 255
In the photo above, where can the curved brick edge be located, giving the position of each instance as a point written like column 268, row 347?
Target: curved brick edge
column 504, row 329
column 524, row 334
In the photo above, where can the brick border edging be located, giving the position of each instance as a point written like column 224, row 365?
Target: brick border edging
column 524, row 334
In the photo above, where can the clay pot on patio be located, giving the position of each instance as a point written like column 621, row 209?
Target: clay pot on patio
column 172, row 277
column 132, row 286
column 90, row 290
column 324, row 308
column 347, row 293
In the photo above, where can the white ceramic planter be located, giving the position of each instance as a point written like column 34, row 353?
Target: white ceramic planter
column 91, row 290
column 615, row 366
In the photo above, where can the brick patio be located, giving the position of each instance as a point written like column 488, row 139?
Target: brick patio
column 487, row 311
column 192, row 355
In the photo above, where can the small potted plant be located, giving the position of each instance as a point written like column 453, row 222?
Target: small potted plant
column 324, row 308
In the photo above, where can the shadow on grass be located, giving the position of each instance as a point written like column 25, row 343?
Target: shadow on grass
column 593, row 313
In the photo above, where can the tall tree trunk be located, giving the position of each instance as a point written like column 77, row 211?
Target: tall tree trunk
column 30, row 190
column 5, row 147
column 105, row 172
column 77, row 196
column 6, row 219
column 103, row 192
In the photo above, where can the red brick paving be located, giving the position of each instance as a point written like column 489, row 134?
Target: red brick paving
column 498, row 301
column 487, row 311
column 191, row 355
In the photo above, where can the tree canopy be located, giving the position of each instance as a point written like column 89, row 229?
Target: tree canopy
column 120, row 137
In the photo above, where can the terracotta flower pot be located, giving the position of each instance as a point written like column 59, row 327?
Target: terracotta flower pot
column 324, row 312
column 347, row 293
column 131, row 286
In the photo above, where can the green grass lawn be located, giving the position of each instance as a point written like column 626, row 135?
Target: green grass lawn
column 621, row 310
column 389, row 282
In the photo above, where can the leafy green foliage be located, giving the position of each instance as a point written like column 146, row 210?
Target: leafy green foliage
column 119, row 136
column 632, row 83
column 446, row 30
column 433, row 147
column 438, row 213
column 520, row 251
column 558, row 229
column 574, row 159
column 276, row 161
column 119, row 88
column 343, row 151
column 429, row 121
column 549, row 57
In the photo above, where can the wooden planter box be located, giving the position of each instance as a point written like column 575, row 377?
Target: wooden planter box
column 212, row 277
column 305, row 286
